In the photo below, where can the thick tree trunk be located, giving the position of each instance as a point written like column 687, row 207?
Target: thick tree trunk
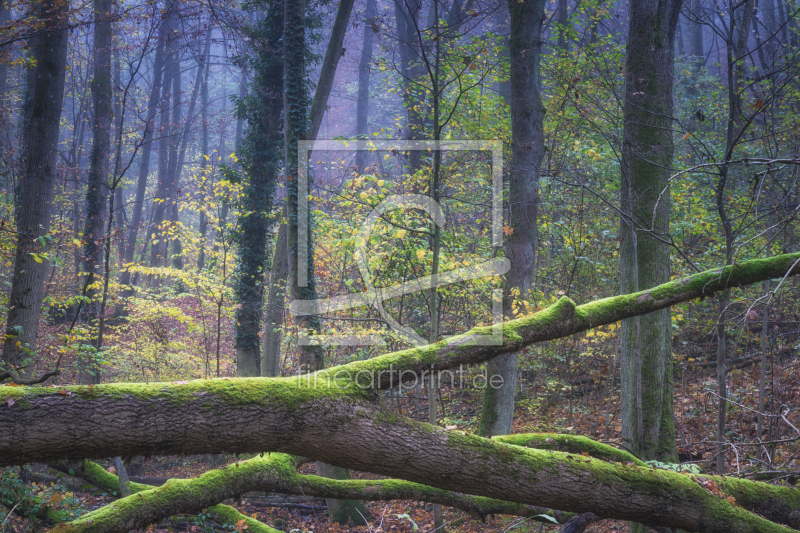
column 36, row 190
column 647, row 416
column 527, row 151
column 261, row 160
column 302, row 419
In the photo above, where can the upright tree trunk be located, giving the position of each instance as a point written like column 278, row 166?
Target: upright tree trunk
column 563, row 21
column 260, row 158
column 119, row 191
column 185, row 136
column 37, row 185
column 527, row 150
column 697, row 47
column 167, row 147
column 276, row 308
column 362, row 103
column 97, row 187
column 205, row 156
column 100, row 157
column 302, row 281
column 407, row 13
column 647, row 389
column 275, row 314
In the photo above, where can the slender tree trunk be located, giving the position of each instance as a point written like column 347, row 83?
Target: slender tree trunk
column 697, row 47
column 646, row 345
column 362, row 104
column 97, row 188
column 527, row 151
column 407, row 12
column 563, row 22
column 276, row 308
column 37, row 186
column 205, row 156
column 167, row 153
column 185, row 136
column 333, row 53
column 119, row 190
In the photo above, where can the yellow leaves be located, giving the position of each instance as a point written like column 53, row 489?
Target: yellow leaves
column 401, row 233
column 421, row 254
column 380, row 183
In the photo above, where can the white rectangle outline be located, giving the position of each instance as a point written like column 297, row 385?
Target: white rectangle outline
column 304, row 149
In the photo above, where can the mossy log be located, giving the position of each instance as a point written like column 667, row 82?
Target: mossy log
column 94, row 474
column 271, row 473
column 332, row 416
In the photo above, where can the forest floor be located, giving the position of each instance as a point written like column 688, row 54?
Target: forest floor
column 584, row 409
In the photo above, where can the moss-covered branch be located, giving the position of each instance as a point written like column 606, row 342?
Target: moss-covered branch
column 273, row 473
column 779, row 504
column 562, row 319
column 94, row 474
column 576, row 444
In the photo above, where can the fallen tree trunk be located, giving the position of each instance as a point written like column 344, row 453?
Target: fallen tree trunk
column 332, row 416
column 274, row 473
column 96, row 475
column 356, row 435
column 100, row 421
